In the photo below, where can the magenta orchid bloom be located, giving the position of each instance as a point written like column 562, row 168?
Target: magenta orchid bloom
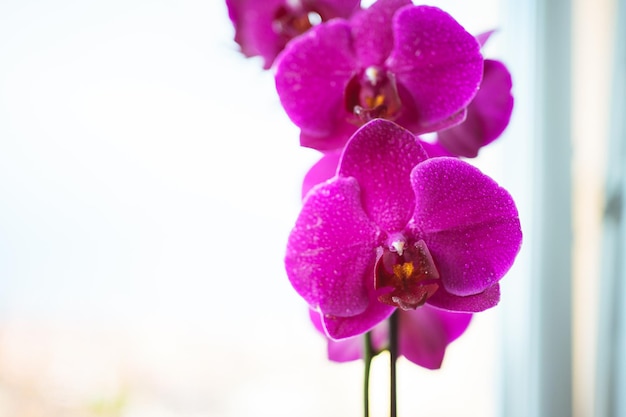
column 423, row 336
column 394, row 229
column 411, row 64
column 264, row 27
column 488, row 114
column 424, row 333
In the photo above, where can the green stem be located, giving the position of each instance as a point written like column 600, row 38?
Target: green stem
column 393, row 358
column 367, row 356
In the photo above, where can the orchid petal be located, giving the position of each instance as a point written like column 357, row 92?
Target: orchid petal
column 380, row 156
column 487, row 115
column 436, row 60
column 410, row 119
column 339, row 350
column 351, row 349
column 338, row 328
column 253, row 28
column 311, row 89
column 323, row 170
column 482, row 38
column 326, row 141
column 434, row 149
column 372, row 33
column 425, row 333
column 331, row 249
column 468, row 222
column 345, row 350
column 471, row 303
column 338, row 8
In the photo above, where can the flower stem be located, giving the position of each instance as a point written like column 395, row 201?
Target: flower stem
column 393, row 357
column 368, row 355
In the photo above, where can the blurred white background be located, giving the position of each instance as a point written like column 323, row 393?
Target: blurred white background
column 148, row 181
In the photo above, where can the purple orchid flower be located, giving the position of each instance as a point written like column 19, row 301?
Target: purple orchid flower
column 488, row 114
column 424, row 333
column 411, row 64
column 264, row 27
column 394, row 229
column 423, row 336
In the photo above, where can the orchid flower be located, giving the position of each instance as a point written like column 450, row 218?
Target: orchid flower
column 411, row 64
column 394, row 229
column 424, row 333
column 264, row 27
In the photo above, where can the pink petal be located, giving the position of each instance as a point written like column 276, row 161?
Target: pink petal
column 437, row 61
column 425, row 333
column 471, row 303
column 253, row 28
column 352, row 348
column 468, row 222
column 338, row 328
column 372, row 33
column 331, row 250
column 323, row 170
column 487, row 115
column 338, row 8
column 310, row 88
column 381, row 156
column 434, row 149
column 482, row 38
column 324, row 140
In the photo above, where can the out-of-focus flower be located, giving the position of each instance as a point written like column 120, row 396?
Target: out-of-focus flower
column 395, row 229
column 411, row 64
column 263, row 27
column 423, row 336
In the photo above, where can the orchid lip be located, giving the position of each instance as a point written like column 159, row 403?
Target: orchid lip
column 294, row 19
column 372, row 94
column 406, row 276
